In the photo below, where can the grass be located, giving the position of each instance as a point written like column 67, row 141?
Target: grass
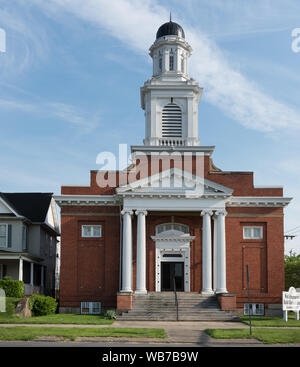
column 8, row 317
column 31, row 333
column 57, row 319
column 267, row 321
column 268, row 336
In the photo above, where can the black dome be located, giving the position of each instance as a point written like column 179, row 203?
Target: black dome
column 170, row 28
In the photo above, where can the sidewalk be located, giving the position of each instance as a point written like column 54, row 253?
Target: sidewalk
column 180, row 332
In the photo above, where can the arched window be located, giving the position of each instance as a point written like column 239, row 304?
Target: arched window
column 160, row 61
column 166, row 227
column 171, row 121
column 171, row 61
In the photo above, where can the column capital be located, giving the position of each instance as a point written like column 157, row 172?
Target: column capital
column 141, row 211
column 126, row 211
column 221, row 212
column 206, row 212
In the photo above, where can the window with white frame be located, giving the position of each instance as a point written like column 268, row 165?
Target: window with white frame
column 252, row 232
column 5, row 235
column 91, row 231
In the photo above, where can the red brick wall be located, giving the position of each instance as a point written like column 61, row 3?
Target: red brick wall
column 90, row 268
column 264, row 257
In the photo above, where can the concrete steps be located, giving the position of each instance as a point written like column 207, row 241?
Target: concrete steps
column 161, row 306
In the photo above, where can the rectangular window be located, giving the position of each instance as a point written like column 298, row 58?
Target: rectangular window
column 3, row 235
column 24, row 237
column 90, row 308
column 253, row 233
column 91, row 231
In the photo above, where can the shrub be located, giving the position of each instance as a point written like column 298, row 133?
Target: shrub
column 42, row 305
column 12, row 288
column 110, row 314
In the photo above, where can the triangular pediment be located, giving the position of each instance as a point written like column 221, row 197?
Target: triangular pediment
column 6, row 209
column 175, row 181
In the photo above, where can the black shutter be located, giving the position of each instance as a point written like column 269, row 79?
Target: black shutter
column 9, row 235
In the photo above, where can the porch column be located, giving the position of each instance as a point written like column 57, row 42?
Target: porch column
column 127, row 251
column 215, row 265
column 221, row 252
column 31, row 273
column 20, row 268
column 141, row 252
column 42, row 279
column 206, row 253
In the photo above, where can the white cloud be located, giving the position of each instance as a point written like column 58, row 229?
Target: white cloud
column 134, row 23
column 62, row 111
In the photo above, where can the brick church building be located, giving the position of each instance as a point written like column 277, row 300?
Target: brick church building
column 172, row 219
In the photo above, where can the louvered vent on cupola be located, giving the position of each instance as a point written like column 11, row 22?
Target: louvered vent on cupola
column 171, row 121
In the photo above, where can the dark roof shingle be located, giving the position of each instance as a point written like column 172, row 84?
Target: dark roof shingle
column 32, row 205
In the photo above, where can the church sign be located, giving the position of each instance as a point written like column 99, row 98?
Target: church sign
column 290, row 302
column 2, row 300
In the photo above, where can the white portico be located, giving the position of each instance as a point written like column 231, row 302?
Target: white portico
column 173, row 242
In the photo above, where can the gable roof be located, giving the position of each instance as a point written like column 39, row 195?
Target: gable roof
column 32, row 205
column 175, row 180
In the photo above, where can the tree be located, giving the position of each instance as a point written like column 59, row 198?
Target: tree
column 292, row 270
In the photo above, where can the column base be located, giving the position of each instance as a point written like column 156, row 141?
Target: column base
column 207, row 292
column 141, row 291
column 221, row 290
column 128, row 291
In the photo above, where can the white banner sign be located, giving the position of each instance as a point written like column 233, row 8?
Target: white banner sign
column 291, row 300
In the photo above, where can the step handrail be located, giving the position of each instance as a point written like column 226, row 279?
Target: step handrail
column 176, row 299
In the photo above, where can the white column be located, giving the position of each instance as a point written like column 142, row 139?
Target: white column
column 141, row 252
column 42, row 278
column 206, row 253
column 20, row 268
column 221, row 252
column 31, row 273
column 215, row 265
column 127, row 251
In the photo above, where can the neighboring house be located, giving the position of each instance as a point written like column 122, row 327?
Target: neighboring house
column 157, row 225
column 28, row 238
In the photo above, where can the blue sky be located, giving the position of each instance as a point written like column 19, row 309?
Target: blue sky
column 71, row 75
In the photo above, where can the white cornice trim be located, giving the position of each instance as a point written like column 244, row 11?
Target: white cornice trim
column 255, row 201
column 86, row 200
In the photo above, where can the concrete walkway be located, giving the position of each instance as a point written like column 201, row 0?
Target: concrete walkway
column 180, row 332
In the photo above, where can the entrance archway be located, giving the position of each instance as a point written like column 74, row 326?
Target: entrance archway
column 172, row 260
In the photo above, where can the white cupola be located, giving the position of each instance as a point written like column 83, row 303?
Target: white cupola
column 171, row 98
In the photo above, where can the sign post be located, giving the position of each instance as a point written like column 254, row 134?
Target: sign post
column 249, row 309
column 290, row 302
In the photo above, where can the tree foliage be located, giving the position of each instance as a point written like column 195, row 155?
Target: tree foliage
column 292, row 270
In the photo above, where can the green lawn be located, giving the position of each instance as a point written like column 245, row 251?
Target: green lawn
column 56, row 319
column 30, row 333
column 269, row 336
column 271, row 321
column 8, row 317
